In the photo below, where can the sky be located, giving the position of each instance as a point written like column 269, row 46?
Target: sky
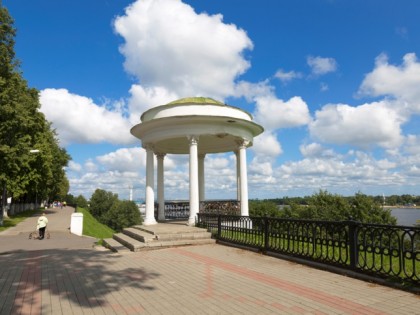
column 334, row 83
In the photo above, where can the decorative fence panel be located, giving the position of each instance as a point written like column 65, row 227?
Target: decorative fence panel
column 382, row 251
column 181, row 209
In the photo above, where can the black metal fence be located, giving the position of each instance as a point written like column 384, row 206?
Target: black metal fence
column 382, row 251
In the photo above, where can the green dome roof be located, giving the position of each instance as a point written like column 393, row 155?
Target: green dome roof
column 196, row 100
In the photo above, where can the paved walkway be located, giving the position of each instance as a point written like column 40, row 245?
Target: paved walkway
column 69, row 276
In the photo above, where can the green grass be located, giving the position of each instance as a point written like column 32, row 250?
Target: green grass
column 91, row 226
column 17, row 218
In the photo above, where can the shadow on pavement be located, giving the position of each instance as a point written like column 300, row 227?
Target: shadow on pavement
column 83, row 277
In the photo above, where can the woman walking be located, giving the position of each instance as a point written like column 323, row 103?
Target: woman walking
column 42, row 225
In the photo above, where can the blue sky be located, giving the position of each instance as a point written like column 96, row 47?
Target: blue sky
column 336, row 85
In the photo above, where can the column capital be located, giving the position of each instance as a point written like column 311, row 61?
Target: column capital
column 148, row 146
column 242, row 143
column 160, row 155
column 193, row 139
column 201, row 156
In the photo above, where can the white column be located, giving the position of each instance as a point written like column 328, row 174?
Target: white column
column 160, row 187
column 194, row 203
column 238, row 176
column 201, row 185
column 243, row 178
column 150, row 194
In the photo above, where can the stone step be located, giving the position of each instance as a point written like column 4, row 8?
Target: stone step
column 129, row 242
column 135, row 245
column 175, row 243
column 143, row 229
column 183, row 236
column 139, row 235
column 114, row 245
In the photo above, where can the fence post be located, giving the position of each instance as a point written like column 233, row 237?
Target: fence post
column 353, row 247
column 266, row 238
column 219, row 226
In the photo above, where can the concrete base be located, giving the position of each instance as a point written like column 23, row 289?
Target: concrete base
column 76, row 225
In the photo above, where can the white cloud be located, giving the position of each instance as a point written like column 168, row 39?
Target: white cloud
column 412, row 145
column 125, row 159
column 74, row 167
column 267, row 145
column 285, row 77
column 168, row 44
column 274, row 113
column 78, row 119
column 316, row 150
column 217, row 162
column 365, row 126
column 90, row 166
column 261, row 170
column 353, row 172
column 320, row 65
column 253, row 90
column 401, row 82
column 143, row 99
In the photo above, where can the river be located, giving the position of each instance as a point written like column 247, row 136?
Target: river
column 406, row 216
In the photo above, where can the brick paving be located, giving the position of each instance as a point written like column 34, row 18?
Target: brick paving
column 68, row 275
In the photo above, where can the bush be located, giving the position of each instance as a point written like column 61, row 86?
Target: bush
column 101, row 203
column 260, row 208
column 123, row 214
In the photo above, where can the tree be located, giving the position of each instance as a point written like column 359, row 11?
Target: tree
column 325, row 206
column 123, row 214
column 25, row 176
column 70, row 199
column 365, row 209
column 263, row 208
column 81, row 202
column 101, row 202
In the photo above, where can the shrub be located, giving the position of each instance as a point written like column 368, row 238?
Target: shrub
column 123, row 214
column 101, row 203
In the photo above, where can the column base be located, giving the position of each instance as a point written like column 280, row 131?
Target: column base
column 191, row 222
column 150, row 222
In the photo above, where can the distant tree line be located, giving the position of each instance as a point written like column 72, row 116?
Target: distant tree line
column 325, row 206
column 392, row 200
column 108, row 209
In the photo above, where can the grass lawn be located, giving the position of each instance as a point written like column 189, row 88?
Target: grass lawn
column 92, row 227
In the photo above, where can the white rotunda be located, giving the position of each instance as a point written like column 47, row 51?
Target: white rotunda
column 196, row 126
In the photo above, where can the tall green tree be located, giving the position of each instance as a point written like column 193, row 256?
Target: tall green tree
column 25, row 176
